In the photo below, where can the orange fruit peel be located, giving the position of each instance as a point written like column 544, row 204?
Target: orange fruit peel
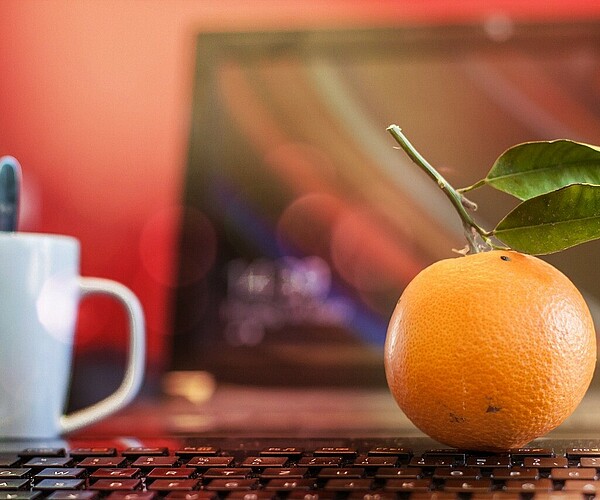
column 490, row 350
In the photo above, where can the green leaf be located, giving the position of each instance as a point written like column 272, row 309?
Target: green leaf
column 553, row 221
column 533, row 168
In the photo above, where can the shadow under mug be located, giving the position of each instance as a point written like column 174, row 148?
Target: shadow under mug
column 40, row 291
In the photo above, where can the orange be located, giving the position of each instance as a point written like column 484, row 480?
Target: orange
column 489, row 351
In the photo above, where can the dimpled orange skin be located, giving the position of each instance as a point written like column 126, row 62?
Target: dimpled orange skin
column 489, row 351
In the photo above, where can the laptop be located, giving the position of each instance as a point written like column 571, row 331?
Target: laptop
column 304, row 223
column 297, row 208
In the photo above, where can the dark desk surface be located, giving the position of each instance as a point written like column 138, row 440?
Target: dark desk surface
column 233, row 410
column 260, row 412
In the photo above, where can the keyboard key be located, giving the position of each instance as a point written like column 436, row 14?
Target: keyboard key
column 166, row 485
column 42, row 452
column 226, row 485
column 400, row 473
column 143, row 451
column 115, row 484
column 317, row 462
column 286, row 451
column 48, row 461
column 146, row 462
column 192, row 495
column 408, row 485
column 336, row 472
column 546, row 462
column 528, row 473
column 578, row 453
column 164, row 473
column 9, row 460
column 55, row 473
column 14, row 472
column 344, row 485
column 132, row 495
column 468, row 485
column 259, row 463
column 562, row 474
column 282, row 485
column 526, row 486
column 370, row 462
column 14, row 484
column 581, row 486
column 457, row 455
column 209, row 462
column 446, row 495
column 401, row 453
column 73, row 495
column 229, row 472
column 432, row 462
column 102, row 462
column 457, row 473
column 589, row 462
column 110, row 473
column 250, row 495
column 59, row 484
column 197, row 451
column 335, row 451
column 557, row 495
column 79, row 453
column 490, row 462
column 20, row 495
column 521, row 453
column 284, row 473
column 310, row 495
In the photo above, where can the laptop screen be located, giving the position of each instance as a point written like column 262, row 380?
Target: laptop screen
column 303, row 223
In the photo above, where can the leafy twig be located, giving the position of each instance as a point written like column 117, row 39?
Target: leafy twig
column 477, row 238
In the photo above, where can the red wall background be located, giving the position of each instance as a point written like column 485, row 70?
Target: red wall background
column 95, row 100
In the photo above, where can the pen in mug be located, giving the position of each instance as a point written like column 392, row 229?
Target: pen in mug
column 10, row 184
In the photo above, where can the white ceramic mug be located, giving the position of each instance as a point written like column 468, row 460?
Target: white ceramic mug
column 40, row 290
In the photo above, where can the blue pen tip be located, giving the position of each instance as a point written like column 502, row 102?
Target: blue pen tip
column 10, row 185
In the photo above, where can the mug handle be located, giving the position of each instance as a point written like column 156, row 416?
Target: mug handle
column 134, row 372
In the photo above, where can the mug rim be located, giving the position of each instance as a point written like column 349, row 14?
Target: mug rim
column 25, row 235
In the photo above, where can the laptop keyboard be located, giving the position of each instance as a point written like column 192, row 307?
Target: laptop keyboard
column 370, row 472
